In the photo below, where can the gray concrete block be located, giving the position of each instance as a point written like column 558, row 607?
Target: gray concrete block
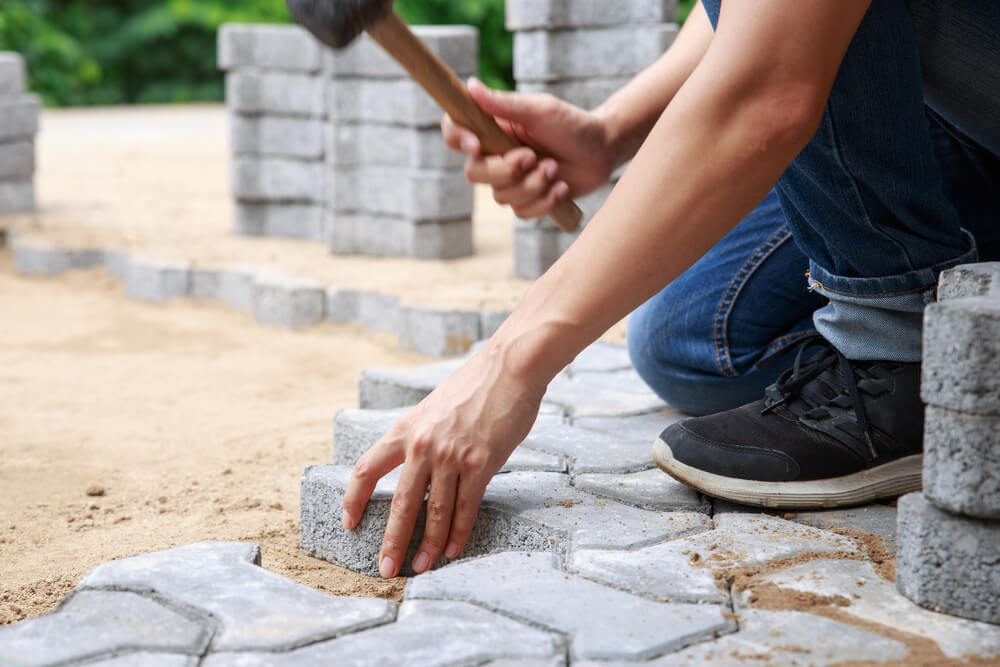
column 535, row 250
column 969, row 280
column 12, row 73
column 255, row 609
column 380, row 235
column 552, row 14
column 278, row 179
column 295, row 220
column 590, row 451
column 615, row 393
column 490, row 321
column 531, row 586
column 414, row 194
column 541, row 55
column 281, row 47
column 685, row 569
column 352, row 144
column 341, row 305
column 395, row 101
column 19, row 116
column 876, row 519
column 17, row 160
column 205, row 284
column 156, row 281
column 147, row 659
column 584, row 93
column 263, row 91
column 962, row 462
column 961, row 353
column 385, row 388
column 427, row 634
column 379, row 312
column 93, row 624
column 287, row 302
column 948, row 563
column 116, row 263
column 236, row 286
column 438, row 332
column 648, row 489
column 281, row 136
column 38, row 258
column 600, row 357
column 456, row 45
column 17, row 196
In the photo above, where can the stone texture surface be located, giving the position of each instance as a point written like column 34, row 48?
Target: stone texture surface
column 875, row 519
column 589, row 451
column 156, row 281
column 285, row 302
column 381, row 235
column 549, row 14
column 353, row 144
column 600, row 622
column 618, row 393
column 456, row 45
column 969, row 280
column 147, row 659
column 391, row 101
column 584, row 93
column 280, row 47
column 17, row 196
column 385, row 388
column 413, row 194
column 38, row 258
column 12, row 73
column 236, row 286
column 438, row 332
column 17, row 160
column 296, row 137
column 253, row 90
column 379, row 312
column 948, row 562
column 649, row 489
column 962, row 462
column 19, row 116
column 284, row 219
column 277, row 179
column 341, row 305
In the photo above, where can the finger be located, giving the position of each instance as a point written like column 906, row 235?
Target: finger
column 406, row 503
column 542, row 207
column 384, row 456
column 440, row 505
column 513, row 106
column 458, row 138
column 501, row 171
column 467, row 500
column 533, row 187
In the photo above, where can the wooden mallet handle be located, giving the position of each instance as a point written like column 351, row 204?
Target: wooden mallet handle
column 393, row 35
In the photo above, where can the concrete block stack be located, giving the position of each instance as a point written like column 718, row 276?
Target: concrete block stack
column 275, row 92
column 393, row 187
column 19, row 113
column 581, row 51
column 949, row 535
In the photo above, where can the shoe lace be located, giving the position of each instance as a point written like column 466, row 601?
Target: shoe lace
column 812, row 386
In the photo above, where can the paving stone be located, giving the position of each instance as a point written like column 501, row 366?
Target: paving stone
column 236, row 286
column 156, row 281
column 38, row 258
column 282, row 47
column 590, row 451
column 438, row 332
column 277, row 179
column 414, row 194
column 535, row 250
column 947, row 562
column 584, row 93
column 541, row 55
column 649, row 489
column 355, row 144
column 204, row 284
column 12, row 73
column 553, row 14
column 17, row 196
column 490, row 321
column 969, row 280
column 642, row 428
column 263, row 91
column 875, row 519
column 302, row 220
column 600, row 357
column 379, row 312
column 147, row 659
column 875, row 600
column 684, row 569
column 456, row 45
column 116, row 263
column 961, row 353
column 521, row 511
column 341, row 305
column 384, row 388
column 19, row 116
column 272, row 135
column 615, row 393
column 428, row 634
column 287, row 302
column 396, row 101
column 962, row 462
column 255, row 609
column 17, row 160
column 384, row 235
column 92, row 624
column 601, row 622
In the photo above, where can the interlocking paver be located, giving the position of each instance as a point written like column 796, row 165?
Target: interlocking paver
column 385, row 388
column 253, row 90
column 19, row 116
column 258, row 178
column 12, row 73
column 648, row 489
column 295, row 220
column 380, row 235
column 979, row 279
column 549, row 14
column 357, row 143
column 17, row 196
column 378, row 312
column 147, row 659
column 38, row 258
column 584, row 93
column 17, row 160
column 962, row 462
column 438, row 332
column 156, row 281
column 341, row 305
column 456, row 45
column 412, row 194
column 875, row 519
column 270, row 134
column 280, row 47
column 616, row 393
column 589, row 451
column 286, row 302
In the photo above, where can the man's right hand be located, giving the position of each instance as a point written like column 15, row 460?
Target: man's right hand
column 564, row 153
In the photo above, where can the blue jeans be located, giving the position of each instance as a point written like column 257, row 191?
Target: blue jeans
column 849, row 243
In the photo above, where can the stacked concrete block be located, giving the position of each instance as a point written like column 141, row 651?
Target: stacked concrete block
column 949, row 536
column 274, row 90
column 581, row 51
column 393, row 188
column 18, row 125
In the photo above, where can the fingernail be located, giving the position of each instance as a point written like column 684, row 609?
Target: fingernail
column 347, row 520
column 421, row 562
column 452, row 550
column 551, row 169
column 561, row 190
column 528, row 163
column 387, row 568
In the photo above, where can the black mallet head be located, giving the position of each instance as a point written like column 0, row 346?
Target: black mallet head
column 337, row 22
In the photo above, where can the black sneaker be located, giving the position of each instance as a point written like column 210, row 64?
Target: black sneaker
column 829, row 432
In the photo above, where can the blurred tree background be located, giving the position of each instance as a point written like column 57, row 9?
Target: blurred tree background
column 86, row 52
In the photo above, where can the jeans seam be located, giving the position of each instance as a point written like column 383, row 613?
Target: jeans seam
column 721, row 319
column 824, row 288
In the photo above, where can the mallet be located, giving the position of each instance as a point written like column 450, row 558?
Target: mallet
column 337, row 22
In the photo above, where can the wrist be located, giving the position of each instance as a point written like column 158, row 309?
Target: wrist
column 532, row 353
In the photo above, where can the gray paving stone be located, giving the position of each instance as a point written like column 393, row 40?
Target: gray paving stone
column 384, row 235
column 456, row 45
column 156, row 281
column 17, row 160
column 414, row 194
column 535, row 249
column 874, row 600
column 12, row 73
column 273, row 135
column 521, row 511
column 490, row 321
column 396, row 101
column 92, row 624
column 341, row 305
column 615, row 393
column 278, row 179
column 282, row 47
column 236, row 286
column 438, row 332
column 947, row 562
column 684, row 569
column 17, row 196
column 379, row 312
column 428, row 634
column 147, row 659
column 875, row 519
column 541, row 55
column 590, row 451
column 962, row 462
column 601, row 622
column 643, row 428
column 353, row 144
column 584, row 93
column 38, row 258
column 649, row 489
column 600, row 357
column 253, row 90
column 969, row 280
column 287, row 302
column 204, row 284
column 19, row 116
column 255, row 609
column 552, row 14
column 296, row 220
column 384, row 388
column 116, row 262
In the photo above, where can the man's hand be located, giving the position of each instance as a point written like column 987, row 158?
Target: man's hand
column 565, row 150
column 453, row 442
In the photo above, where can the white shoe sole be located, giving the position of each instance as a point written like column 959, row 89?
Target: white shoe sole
column 885, row 481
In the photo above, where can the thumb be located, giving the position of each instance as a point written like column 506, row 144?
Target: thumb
column 512, row 106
